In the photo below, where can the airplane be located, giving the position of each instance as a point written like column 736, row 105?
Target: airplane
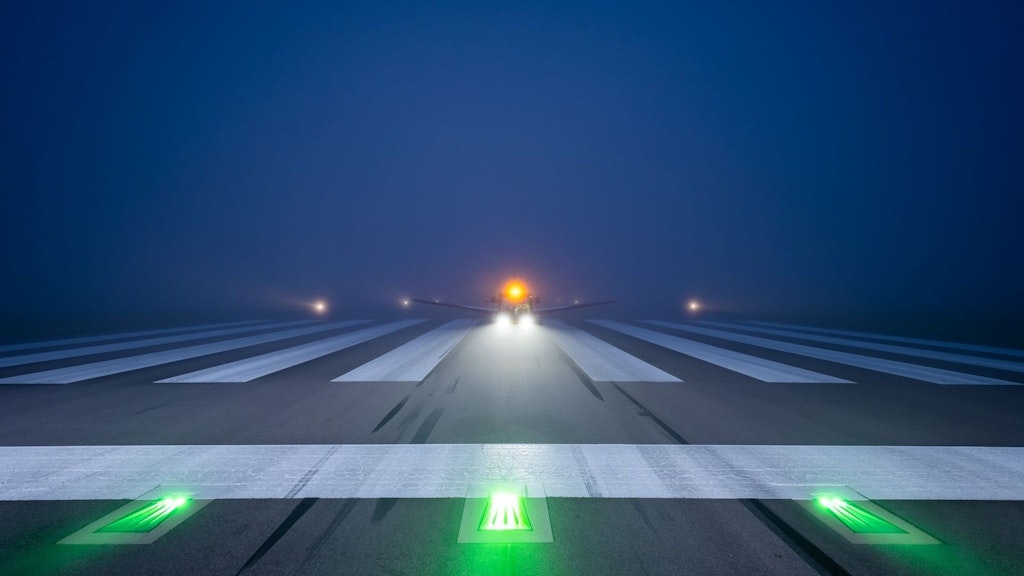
column 514, row 303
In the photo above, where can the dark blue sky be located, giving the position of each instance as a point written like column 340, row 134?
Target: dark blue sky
column 773, row 159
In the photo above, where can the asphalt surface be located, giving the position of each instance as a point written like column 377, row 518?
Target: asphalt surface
column 512, row 385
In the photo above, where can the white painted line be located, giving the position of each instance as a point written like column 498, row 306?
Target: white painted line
column 996, row 363
column 134, row 344
column 600, row 360
column 757, row 368
column 119, row 336
column 412, row 361
column 902, row 339
column 904, row 369
column 564, row 471
column 249, row 369
column 120, row 365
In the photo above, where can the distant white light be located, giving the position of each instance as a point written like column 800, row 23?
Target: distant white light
column 320, row 307
column 693, row 306
column 405, row 302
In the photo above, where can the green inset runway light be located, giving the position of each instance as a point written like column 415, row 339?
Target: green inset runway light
column 148, row 517
column 858, row 519
column 505, row 511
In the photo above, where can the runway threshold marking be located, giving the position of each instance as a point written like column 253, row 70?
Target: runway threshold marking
column 82, row 372
column 248, row 369
column 116, row 336
column 753, row 366
column 996, row 363
column 562, row 470
column 23, row 359
column 894, row 367
column 412, row 361
column 902, row 339
column 601, row 361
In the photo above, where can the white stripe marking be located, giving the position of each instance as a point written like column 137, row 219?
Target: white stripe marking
column 600, row 360
column 134, row 344
column 412, row 361
column 564, row 470
column 249, row 369
column 120, row 365
column 757, row 368
column 1007, row 365
column 118, row 336
column 903, row 339
column 907, row 370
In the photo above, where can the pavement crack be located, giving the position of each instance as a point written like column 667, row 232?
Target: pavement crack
column 451, row 389
column 391, row 414
column 300, row 509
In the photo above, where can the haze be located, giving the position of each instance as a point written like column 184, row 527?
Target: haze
column 860, row 164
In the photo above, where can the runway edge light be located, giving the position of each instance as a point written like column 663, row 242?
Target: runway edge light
column 148, row 517
column 505, row 511
column 861, row 521
column 141, row 521
column 858, row 519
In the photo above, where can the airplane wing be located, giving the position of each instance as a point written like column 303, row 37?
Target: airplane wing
column 572, row 306
column 460, row 306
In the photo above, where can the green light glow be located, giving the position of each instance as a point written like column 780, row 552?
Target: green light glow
column 505, row 511
column 148, row 517
column 858, row 519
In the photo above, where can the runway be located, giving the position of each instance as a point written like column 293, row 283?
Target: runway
column 642, row 447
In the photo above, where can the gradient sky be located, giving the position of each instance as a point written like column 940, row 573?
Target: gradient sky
column 772, row 158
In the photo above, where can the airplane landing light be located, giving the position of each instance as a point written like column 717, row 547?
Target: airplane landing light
column 693, row 306
column 319, row 307
column 515, row 292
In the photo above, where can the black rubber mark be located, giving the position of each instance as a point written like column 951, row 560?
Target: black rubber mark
column 310, row 473
column 394, row 411
column 645, row 412
column 301, row 508
column 582, row 376
column 588, row 478
column 799, row 543
column 384, row 505
column 427, row 427
column 144, row 410
column 639, row 507
column 454, row 384
column 815, row 557
column 409, row 418
column 311, row 552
